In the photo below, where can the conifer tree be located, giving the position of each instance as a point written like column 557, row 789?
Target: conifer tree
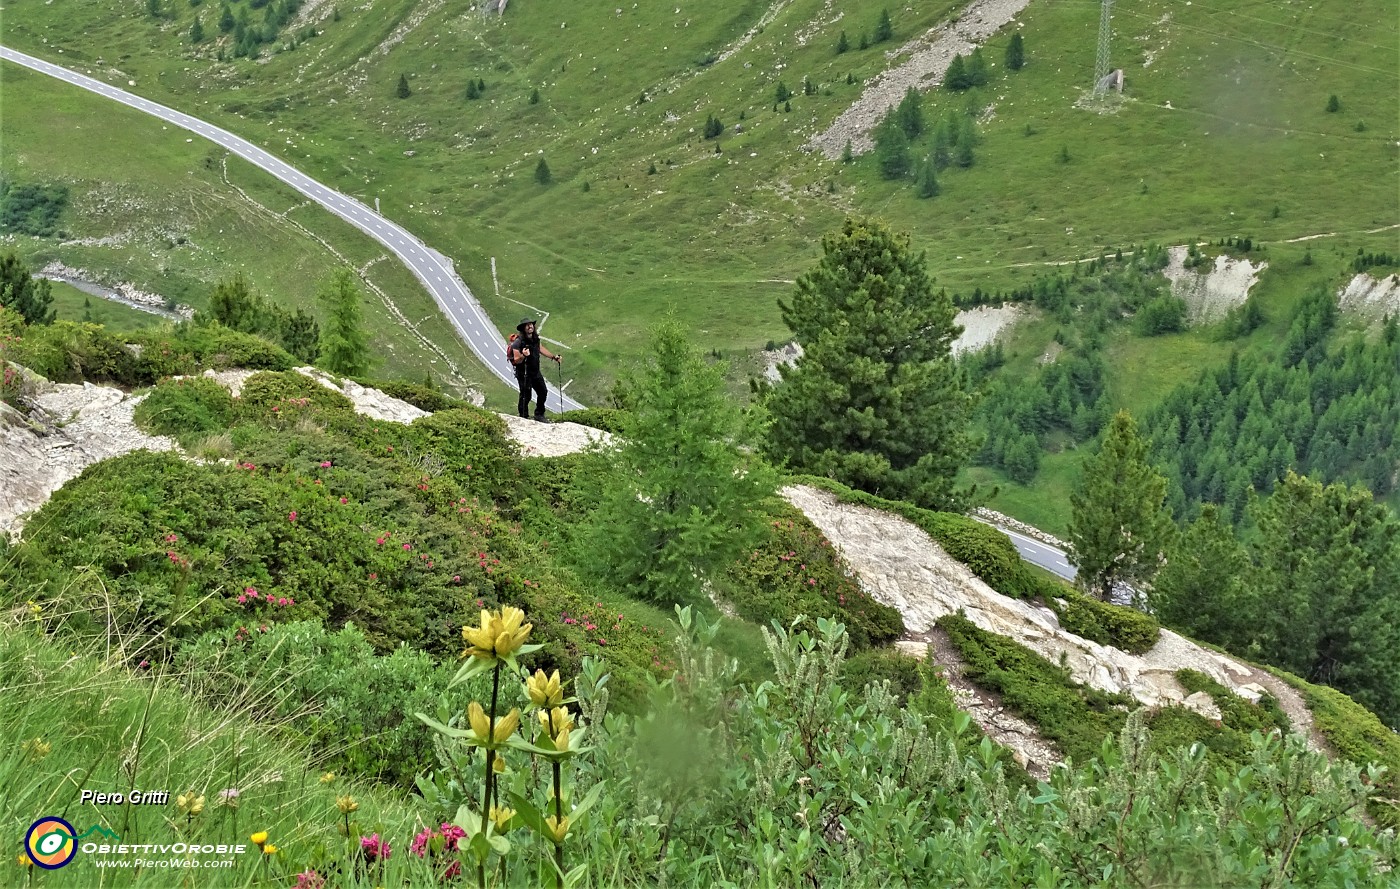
column 685, row 495
column 909, row 115
column 977, row 74
column 472, row 91
column 884, row 30
column 542, row 174
column 875, row 400
column 956, row 78
column 1200, row 590
column 782, row 93
column 535, row 96
column 927, row 182
column 1118, row 526
column 226, row 20
column 403, row 92
column 843, row 44
column 345, row 346
column 21, row 292
column 197, row 31
column 891, row 149
column 1016, row 53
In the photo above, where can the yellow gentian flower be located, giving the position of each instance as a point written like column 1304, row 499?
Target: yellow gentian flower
column 259, row 838
column 545, row 691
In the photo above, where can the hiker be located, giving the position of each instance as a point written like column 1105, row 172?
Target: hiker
column 525, row 354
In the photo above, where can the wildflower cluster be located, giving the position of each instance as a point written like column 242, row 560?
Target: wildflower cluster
column 554, row 736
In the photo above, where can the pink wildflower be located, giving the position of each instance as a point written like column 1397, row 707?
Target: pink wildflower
column 242, row 600
column 408, row 546
column 343, row 501
column 374, row 577
column 172, row 538
column 283, row 601
column 374, row 848
column 309, row 879
column 456, row 578
column 292, row 516
column 326, row 464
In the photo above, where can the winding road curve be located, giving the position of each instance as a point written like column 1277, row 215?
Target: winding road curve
column 428, row 265
column 431, row 267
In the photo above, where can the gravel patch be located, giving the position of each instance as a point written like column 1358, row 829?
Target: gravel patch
column 929, row 57
column 982, row 325
column 1211, row 294
column 1367, row 296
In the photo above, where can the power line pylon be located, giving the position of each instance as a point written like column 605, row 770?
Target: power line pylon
column 1101, row 58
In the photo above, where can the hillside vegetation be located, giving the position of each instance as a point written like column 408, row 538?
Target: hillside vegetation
column 1225, row 131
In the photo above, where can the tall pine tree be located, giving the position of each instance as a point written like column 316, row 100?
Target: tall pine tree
column 875, row 400
column 1118, row 525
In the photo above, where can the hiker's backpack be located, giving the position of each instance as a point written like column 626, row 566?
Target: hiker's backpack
column 510, row 344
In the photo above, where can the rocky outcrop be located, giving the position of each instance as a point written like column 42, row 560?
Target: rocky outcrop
column 1371, row 297
column 901, row 566
column 1211, row 293
column 69, row 428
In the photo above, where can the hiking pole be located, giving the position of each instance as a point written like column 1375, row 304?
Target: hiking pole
column 559, row 366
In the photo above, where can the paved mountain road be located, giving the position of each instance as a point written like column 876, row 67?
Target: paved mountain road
column 428, row 265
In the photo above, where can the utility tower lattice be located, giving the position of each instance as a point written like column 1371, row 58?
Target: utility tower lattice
column 1101, row 59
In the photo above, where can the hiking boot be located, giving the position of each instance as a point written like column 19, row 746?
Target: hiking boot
column 541, row 418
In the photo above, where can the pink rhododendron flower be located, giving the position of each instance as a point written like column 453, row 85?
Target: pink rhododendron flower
column 292, row 516
column 374, row 848
column 326, row 464
column 408, row 546
column 343, row 501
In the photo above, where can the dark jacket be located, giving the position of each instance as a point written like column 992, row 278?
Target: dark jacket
column 526, row 363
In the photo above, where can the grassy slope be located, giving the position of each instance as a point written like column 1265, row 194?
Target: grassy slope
column 708, row 236
column 153, row 206
column 72, row 304
column 99, row 719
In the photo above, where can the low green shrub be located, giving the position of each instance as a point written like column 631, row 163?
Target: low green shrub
column 1076, row 717
column 608, row 419
column 1360, row 736
column 329, row 688
column 882, row 665
column 1236, row 712
column 1126, row 629
column 189, row 406
column 70, row 352
column 279, row 398
column 797, row 571
column 189, row 348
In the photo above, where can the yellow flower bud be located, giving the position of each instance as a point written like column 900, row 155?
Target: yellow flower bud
column 24, row 860
column 498, row 764
column 545, row 691
column 507, row 726
column 328, row 777
column 558, row 829
column 197, row 805
column 346, row 804
column 269, row 849
column 259, row 838
column 501, row 816
column 476, row 717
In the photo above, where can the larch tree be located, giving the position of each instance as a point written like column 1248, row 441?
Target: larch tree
column 875, row 400
column 684, row 495
column 344, row 346
column 1118, row 525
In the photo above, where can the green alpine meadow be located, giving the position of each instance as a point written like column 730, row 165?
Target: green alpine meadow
column 966, row 451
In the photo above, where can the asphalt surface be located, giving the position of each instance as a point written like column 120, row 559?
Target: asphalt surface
column 1042, row 554
column 432, row 268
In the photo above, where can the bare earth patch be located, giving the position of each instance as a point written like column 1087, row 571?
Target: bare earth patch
column 1209, row 295
column 982, row 325
column 1367, row 296
column 929, row 58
